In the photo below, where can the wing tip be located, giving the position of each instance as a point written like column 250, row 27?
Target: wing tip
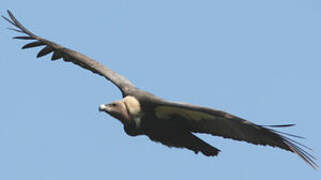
column 299, row 149
column 9, row 12
column 293, row 145
column 307, row 157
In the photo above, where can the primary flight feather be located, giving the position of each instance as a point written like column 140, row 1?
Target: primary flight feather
column 170, row 123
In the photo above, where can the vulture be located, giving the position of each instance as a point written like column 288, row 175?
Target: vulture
column 173, row 124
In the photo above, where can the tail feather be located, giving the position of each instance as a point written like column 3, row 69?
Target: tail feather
column 199, row 145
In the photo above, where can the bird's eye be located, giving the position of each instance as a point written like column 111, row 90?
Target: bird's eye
column 113, row 104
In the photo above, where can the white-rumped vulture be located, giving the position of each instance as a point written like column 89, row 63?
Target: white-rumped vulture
column 170, row 123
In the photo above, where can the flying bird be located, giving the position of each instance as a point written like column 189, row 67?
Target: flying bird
column 173, row 124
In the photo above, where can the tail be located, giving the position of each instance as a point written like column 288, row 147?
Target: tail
column 186, row 140
column 199, row 145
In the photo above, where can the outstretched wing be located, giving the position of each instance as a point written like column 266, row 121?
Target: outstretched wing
column 67, row 55
column 205, row 120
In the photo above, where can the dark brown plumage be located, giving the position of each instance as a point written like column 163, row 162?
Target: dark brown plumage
column 169, row 123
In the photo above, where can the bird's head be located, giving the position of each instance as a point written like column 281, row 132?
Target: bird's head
column 116, row 109
column 126, row 110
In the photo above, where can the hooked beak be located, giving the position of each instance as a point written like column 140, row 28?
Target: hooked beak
column 103, row 107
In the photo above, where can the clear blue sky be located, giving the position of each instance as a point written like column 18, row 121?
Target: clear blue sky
column 258, row 60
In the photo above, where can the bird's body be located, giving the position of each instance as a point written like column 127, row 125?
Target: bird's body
column 139, row 117
column 170, row 123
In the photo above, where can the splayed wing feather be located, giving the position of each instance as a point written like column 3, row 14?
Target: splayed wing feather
column 279, row 125
column 17, row 30
column 8, row 20
column 33, row 44
column 68, row 55
column 46, row 50
column 307, row 157
column 287, row 134
column 23, row 37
